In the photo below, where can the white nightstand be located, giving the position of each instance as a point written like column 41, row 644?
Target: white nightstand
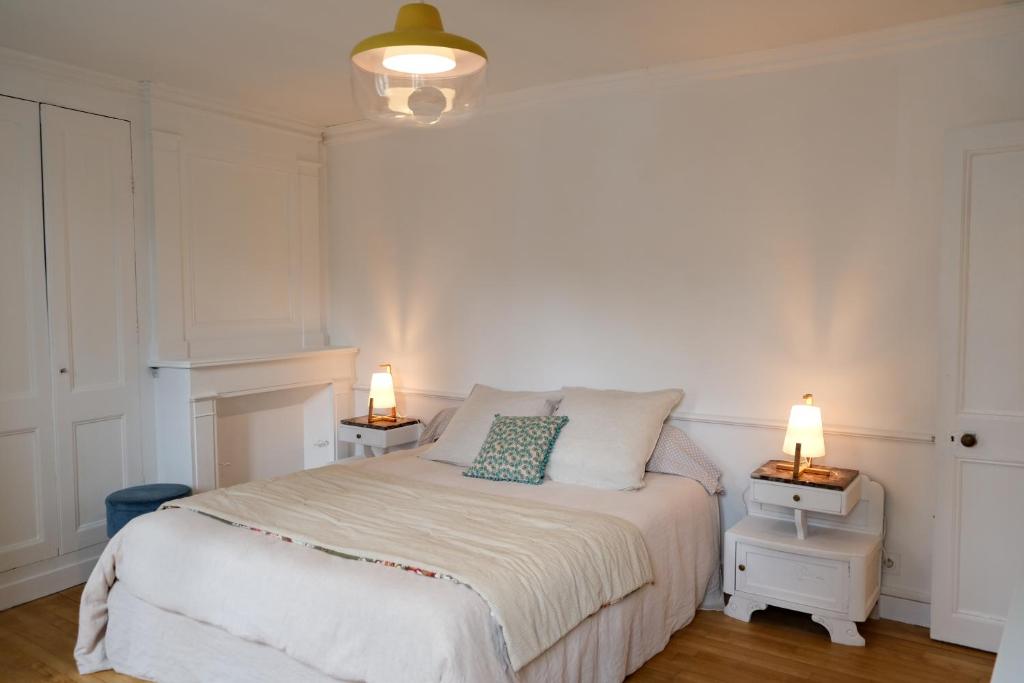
column 378, row 438
column 834, row 573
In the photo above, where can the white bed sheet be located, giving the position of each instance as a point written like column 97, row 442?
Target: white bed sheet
column 391, row 625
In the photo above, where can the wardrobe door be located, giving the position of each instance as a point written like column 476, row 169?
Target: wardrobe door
column 87, row 185
column 28, row 500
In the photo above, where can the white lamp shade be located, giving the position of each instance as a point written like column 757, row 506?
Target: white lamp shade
column 804, row 428
column 382, row 390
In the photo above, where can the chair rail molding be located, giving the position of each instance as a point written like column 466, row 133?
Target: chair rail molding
column 731, row 421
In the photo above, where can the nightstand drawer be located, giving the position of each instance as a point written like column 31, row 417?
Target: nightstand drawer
column 378, row 438
column 800, row 497
column 794, row 578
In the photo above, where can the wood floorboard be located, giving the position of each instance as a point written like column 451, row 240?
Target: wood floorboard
column 36, row 642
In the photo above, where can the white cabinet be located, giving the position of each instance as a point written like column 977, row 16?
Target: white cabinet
column 90, row 275
column 69, row 424
column 833, row 572
column 28, row 485
column 379, row 438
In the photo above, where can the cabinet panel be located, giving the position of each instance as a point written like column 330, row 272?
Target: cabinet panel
column 21, row 230
column 87, row 179
column 99, row 456
column 793, row 578
column 21, row 505
column 28, row 502
column 93, row 261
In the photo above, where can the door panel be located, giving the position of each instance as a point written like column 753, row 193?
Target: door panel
column 28, row 497
column 979, row 506
column 993, row 331
column 992, row 490
column 91, row 277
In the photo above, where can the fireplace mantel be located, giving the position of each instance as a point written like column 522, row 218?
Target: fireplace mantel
column 186, row 393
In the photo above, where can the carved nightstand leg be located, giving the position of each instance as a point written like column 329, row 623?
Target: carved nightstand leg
column 842, row 631
column 741, row 608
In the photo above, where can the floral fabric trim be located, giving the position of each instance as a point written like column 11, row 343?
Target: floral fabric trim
column 336, row 553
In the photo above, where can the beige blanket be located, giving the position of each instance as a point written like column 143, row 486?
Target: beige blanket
column 542, row 569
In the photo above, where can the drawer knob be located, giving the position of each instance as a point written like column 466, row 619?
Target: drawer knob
column 796, row 497
column 359, row 436
column 742, row 567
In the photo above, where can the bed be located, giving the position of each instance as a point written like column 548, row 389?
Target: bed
column 181, row 596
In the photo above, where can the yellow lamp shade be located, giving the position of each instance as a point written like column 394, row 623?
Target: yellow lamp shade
column 418, row 74
column 382, row 390
column 805, row 429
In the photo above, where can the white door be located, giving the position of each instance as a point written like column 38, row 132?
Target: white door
column 979, row 541
column 87, row 186
column 28, row 496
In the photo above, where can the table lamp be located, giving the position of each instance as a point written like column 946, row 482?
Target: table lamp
column 382, row 395
column 804, row 439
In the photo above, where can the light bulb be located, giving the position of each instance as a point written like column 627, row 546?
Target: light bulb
column 421, row 60
column 404, row 100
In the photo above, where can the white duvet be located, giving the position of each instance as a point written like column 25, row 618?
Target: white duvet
column 364, row 622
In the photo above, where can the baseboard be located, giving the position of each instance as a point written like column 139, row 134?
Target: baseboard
column 46, row 577
column 905, row 610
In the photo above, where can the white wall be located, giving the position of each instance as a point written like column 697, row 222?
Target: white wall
column 748, row 230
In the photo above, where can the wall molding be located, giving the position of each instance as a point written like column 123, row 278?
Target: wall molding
column 39, row 579
column 143, row 90
column 61, row 71
column 905, row 610
column 981, row 23
column 187, row 98
column 727, row 420
column 182, row 220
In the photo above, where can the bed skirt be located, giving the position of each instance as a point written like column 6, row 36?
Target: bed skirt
column 156, row 645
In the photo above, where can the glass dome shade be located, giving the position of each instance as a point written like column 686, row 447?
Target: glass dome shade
column 418, row 74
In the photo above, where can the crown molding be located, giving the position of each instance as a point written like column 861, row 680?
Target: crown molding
column 60, row 71
column 170, row 94
column 969, row 25
column 706, row 418
column 143, row 90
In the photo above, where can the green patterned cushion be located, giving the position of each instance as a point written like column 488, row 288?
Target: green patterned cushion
column 517, row 449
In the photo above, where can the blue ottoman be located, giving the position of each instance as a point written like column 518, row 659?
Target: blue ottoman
column 125, row 505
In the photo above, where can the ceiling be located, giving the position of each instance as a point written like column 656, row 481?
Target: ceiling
column 290, row 56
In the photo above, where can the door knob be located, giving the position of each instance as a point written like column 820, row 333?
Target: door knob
column 63, row 371
column 968, row 440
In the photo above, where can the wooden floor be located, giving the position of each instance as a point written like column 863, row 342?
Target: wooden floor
column 36, row 640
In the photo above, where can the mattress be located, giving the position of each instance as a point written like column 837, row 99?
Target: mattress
column 388, row 624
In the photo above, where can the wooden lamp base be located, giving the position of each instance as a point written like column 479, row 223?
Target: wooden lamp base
column 370, row 417
column 801, row 465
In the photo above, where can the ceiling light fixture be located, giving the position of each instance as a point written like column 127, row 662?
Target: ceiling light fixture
column 418, row 74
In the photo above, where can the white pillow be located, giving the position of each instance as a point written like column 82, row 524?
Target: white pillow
column 609, row 437
column 464, row 436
